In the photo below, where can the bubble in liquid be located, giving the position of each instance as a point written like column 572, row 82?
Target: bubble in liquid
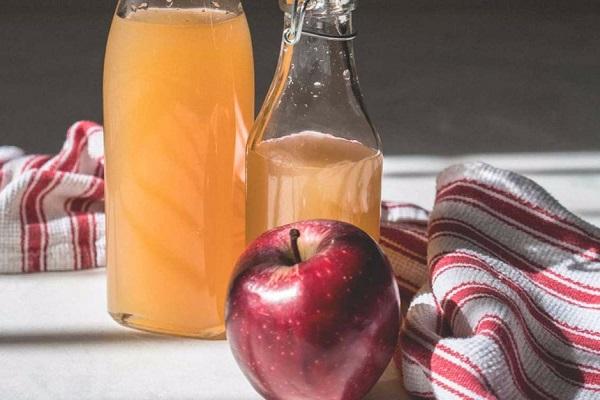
column 318, row 84
column 346, row 74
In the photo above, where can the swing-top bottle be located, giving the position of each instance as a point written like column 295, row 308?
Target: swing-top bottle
column 313, row 152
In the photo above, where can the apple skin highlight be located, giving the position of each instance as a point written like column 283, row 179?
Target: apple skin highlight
column 324, row 328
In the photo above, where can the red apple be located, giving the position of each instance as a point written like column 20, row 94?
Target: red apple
column 313, row 312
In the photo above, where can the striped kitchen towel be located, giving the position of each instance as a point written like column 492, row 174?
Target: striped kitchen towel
column 52, row 208
column 503, row 282
column 505, row 288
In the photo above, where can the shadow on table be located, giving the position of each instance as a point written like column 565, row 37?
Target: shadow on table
column 57, row 338
column 389, row 386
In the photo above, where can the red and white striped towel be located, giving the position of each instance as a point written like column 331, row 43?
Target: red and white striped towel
column 507, row 281
column 507, row 286
column 52, row 208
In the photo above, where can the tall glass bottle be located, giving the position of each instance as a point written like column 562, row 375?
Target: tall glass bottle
column 178, row 96
column 313, row 152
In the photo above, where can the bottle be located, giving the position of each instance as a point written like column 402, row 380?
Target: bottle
column 178, row 99
column 313, row 152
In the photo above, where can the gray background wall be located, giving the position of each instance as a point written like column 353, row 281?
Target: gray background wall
column 439, row 76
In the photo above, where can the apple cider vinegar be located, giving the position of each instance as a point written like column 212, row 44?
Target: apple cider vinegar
column 311, row 175
column 178, row 100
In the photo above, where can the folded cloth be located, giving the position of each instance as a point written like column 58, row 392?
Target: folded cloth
column 507, row 285
column 52, row 208
column 503, row 282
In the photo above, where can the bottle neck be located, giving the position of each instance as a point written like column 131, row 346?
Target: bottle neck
column 127, row 7
column 334, row 25
column 316, row 85
column 324, row 55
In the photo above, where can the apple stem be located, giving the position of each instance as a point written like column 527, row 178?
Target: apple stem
column 294, row 235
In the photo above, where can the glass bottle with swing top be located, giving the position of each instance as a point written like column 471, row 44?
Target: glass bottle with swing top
column 313, row 152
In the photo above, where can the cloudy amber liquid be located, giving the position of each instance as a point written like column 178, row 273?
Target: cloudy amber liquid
column 179, row 92
column 312, row 175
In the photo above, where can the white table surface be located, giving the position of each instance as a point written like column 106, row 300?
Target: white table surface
column 58, row 342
